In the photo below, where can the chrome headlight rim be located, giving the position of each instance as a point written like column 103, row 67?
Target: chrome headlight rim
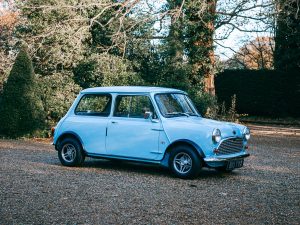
column 247, row 133
column 216, row 135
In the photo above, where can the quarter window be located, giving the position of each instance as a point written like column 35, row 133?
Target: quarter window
column 94, row 105
column 133, row 106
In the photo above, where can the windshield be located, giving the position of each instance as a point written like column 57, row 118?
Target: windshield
column 171, row 105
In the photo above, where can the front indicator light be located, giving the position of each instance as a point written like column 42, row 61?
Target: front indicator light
column 216, row 135
column 246, row 133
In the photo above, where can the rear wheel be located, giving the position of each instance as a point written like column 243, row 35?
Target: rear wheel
column 184, row 162
column 70, row 152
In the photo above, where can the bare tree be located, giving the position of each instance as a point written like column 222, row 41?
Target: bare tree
column 259, row 18
column 256, row 54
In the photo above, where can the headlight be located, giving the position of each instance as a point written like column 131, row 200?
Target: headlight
column 216, row 135
column 246, row 133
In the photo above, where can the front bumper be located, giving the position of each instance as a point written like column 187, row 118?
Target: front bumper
column 225, row 158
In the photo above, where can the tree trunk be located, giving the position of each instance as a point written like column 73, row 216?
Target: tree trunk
column 209, row 84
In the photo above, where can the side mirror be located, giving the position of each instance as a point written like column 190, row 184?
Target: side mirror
column 148, row 115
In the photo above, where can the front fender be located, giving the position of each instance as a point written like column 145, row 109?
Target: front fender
column 165, row 160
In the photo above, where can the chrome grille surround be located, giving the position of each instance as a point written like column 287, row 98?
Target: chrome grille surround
column 230, row 146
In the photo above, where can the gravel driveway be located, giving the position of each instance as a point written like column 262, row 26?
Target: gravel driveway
column 36, row 189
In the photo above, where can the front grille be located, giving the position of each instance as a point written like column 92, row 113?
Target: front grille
column 230, row 146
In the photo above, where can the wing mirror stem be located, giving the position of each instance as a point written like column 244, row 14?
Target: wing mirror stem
column 149, row 116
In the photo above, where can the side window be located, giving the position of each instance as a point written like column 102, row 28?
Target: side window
column 94, row 105
column 122, row 106
column 133, row 106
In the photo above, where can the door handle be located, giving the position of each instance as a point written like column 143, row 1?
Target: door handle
column 114, row 122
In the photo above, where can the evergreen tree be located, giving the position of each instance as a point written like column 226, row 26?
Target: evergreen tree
column 287, row 38
column 21, row 110
column 177, row 70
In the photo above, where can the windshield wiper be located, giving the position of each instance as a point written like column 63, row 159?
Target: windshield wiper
column 177, row 114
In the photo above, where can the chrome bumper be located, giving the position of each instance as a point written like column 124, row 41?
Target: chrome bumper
column 225, row 158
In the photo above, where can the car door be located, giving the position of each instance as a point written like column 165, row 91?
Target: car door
column 90, row 121
column 129, row 134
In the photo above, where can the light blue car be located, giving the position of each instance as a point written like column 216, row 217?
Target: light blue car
column 149, row 125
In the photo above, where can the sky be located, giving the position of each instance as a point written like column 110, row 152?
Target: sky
column 235, row 41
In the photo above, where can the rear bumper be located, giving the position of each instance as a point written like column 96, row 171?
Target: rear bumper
column 225, row 158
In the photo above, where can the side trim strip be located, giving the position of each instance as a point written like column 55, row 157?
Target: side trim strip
column 93, row 155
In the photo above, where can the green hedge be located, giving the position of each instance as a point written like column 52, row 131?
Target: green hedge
column 261, row 92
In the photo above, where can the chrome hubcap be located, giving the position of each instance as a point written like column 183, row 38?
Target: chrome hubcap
column 68, row 153
column 182, row 163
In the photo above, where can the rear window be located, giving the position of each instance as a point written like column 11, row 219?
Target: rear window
column 94, row 105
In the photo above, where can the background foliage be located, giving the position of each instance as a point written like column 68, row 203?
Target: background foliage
column 80, row 44
column 98, row 70
column 57, row 92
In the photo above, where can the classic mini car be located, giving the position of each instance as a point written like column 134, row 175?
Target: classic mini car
column 149, row 125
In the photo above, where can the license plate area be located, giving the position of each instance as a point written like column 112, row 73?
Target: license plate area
column 235, row 164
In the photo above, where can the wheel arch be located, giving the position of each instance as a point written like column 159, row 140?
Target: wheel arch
column 68, row 134
column 193, row 145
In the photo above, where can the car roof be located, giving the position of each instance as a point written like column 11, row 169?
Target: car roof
column 130, row 89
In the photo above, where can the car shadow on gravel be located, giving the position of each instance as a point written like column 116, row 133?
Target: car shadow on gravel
column 123, row 166
column 131, row 167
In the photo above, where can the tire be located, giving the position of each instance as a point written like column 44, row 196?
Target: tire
column 70, row 152
column 184, row 162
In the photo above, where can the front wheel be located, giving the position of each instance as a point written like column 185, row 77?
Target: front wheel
column 70, row 152
column 184, row 162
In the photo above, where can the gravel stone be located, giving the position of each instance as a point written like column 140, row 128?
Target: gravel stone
column 37, row 189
